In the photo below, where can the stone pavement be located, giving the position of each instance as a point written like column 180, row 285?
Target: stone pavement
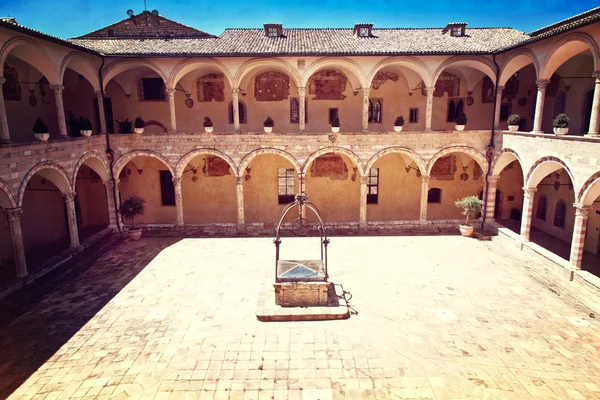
column 434, row 317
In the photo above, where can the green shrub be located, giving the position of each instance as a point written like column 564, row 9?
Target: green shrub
column 561, row 121
column 514, row 119
column 335, row 122
column 269, row 123
column 399, row 121
column 39, row 126
column 139, row 123
column 461, row 119
column 471, row 205
column 207, row 122
column 133, row 206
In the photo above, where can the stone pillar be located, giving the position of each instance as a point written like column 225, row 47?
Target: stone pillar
column 178, row 201
column 113, row 217
column 362, row 219
column 302, row 107
column 72, row 218
column 579, row 228
column 539, row 105
column 14, row 224
column 429, row 108
column 365, row 109
column 172, row 115
column 101, row 112
column 424, row 193
column 498, row 105
column 60, row 109
column 236, row 109
column 490, row 202
column 594, row 116
column 118, row 205
column 529, row 195
column 4, row 133
column 239, row 183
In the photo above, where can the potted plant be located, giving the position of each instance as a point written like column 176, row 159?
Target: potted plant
column 125, row 126
column 561, row 124
column 133, row 206
column 513, row 122
column 461, row 121
column 471, row 206
column 85, row 127
column 40, row 130
column 208, row 125
column 269, row 124
column 335, row 124
column 138, row 125
column 398, row 123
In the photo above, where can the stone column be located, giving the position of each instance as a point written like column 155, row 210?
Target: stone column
column 365, row 109
column 579, row 228
column 113, row 217
column 424, row 192
column 362, row 219
column 178, row 201
column 595, row 115
column 539, row 105
column 239, row 183
column 498, row 105
column 101, row 112
column 236, row 109
column 4, row 133
column 172, row 115
column 429, row 108
column 490, row 202
column 14, row 224
column 529, row 195
column 60, row 109
column 302, row 107
column 72, row 218
column 118, row 205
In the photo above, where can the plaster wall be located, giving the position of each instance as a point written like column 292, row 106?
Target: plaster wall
column 511, row 184
column 546, row 187
column 7, row 264
column 91, row 198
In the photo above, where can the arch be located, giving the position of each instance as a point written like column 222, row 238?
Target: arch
column 125, row 158
column 542, row 168
column 350, row 68
column 517, row 60
column 185, row 160
column 120, row 66
column 48, row 69
column 478, row 63
column 411, row 63
column 503, row 158
column 566, row 48
column 258, row 65
column 82, row 66
column 7, row 200
column 474, row 154
column 95, row 161
column 202, row 65
column 590, row 190
column 51, row 171
column 398, row 150
column 253, row 154
column 338, row 150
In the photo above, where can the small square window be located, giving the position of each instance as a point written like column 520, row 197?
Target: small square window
column 273, row 32
column 363, row 32
column 456, row 31
column 154, row 88
column 434, row 195
column 373, row 186
column 111, row 32
column 414, row 115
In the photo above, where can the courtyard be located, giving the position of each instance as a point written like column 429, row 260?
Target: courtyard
column 433, row 317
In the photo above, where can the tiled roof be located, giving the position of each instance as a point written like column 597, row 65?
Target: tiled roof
column 253, row 42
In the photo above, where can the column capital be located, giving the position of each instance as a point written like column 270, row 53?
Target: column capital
column 595, row 74
column 366, row 91
column 493, row 178
column 171, row 92
column 542, row 83
column 529, row 192
column 98, row 93
column 13, row 214
column 364, row 180
column 2, row 80
column 177, row 180
column 301, row 91
column 69, row 196
column 57, row 88
column 429, row 90
column 424, row 179
column 109, row 183
column 234, row 91
column 239, row 180
column 500, row 88
column 582, row 211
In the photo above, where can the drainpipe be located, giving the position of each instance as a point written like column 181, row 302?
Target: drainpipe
column 491, row 145
column 109, row 152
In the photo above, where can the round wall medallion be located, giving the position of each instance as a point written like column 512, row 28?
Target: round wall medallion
column 32, row 101
column 469, row 101
column 464, row 176
column 523, row 101
column 556, row 185
column 189, row 102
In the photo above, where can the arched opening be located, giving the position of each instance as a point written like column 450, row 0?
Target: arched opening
column 91, row 201
column 590, row 197
column 588, row 100
column 208, row 189
column 80, row 102
column 509, row 195
column 333, row 185
column 452, row 177
column 7, row 260
column 394, row 188
column 150, row 178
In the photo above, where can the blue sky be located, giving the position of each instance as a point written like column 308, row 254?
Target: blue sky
column 70, row 18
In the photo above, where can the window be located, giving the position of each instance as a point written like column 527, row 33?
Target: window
column 285, row 185
column 375, row 109
column 295, row 110
column 434, row 195
column 242, row 110
column 153, row 88
column 559, row 214
column 111, row 32
column 363, row 32
column 456, row 31
column 455, row 108
column 505, row 111
column 273, row 32
column 413, row 115
column 373, row 186
column 167, row 190
column 540, row 213
column 333, row 112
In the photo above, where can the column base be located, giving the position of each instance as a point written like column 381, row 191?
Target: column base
column 364, row 130
column 172, row 130
column 587, row 135
column 537, row 132
column 237, row 130
column 5, row 141
column 363, row 226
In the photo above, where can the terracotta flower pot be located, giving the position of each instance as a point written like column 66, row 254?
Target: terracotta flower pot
column 86, row 132
column 42, row 136
column 138, row 130
column 208, row 129
column 561, row 131
column 466, row 230
column 335, row 129
column 513, row 128
column 268, row 129
column 134, row 233
column 397, row 128
column 459, row 127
